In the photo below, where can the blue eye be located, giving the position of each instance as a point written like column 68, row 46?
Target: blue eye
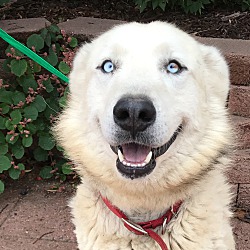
column 174, row 67
column 107, row 66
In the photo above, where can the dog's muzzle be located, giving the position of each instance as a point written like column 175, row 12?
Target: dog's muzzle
column 134, row 115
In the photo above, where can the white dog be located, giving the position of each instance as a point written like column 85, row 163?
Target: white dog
column 147, row 128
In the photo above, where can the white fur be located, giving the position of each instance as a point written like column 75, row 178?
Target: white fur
column 192, row 168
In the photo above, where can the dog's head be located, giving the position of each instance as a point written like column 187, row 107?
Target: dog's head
column 147, row 105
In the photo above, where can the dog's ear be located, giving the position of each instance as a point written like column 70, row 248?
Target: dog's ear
column 77, row 77
column 217, row 72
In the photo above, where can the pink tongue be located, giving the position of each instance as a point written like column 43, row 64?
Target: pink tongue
column 135, row 153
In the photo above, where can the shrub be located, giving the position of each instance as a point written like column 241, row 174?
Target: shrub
column 4, row 2
column 189, row 6
column 30, row 98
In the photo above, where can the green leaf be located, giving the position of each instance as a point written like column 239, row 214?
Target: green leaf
column 64, row 68
column 143, row 6
column 73, row 43
column 155, row 4
column 5, row 163
column 18, row 67
column 162, row 5
column 39, row 103
column 21, row 166
column 63, row 177
column 52, row 57
column 45, row 172
column 16, row 116
column 58, row 47
column 18, row 97
column 18, row 150
column 40, row 125
column 48, row 40
column 46, row 142
column 30, row 112
column 52, row 108
column 9, row 137
column 2, row 137
column 3, row 2
column 66, row 168
column 32, row 128
column 35, row 41
column 64, row 98
column 54, row 28
column 6, row 96
column 1, row 187
column 44, row 33
column 4, row 108
column 14, row 173
column 6, row 65
column 3, row 148
column 2, row 122
column 36, row 67
column 49, row 87
column 16, row 51
column 40, row 154
column 9, row 125
column 27, row 141
column 27, row 83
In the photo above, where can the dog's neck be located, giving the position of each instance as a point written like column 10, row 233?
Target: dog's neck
column 142, row 207
column 146, row 228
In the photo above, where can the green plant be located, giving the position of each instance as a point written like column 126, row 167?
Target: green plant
column 30, row 98
column 188, row 6
column 4, row 2
column 245, row 4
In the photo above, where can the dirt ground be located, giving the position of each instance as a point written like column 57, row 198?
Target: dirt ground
column 220, row 21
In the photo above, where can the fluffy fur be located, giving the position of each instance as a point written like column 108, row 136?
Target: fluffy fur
column 192, row 168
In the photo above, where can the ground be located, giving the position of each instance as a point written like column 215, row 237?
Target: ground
column 220, row 21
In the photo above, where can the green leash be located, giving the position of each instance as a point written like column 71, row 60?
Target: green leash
column 13, row 42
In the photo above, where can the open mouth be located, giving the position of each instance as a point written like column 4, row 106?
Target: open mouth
column 136, row 160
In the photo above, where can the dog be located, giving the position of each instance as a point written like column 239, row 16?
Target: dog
column 148, row 131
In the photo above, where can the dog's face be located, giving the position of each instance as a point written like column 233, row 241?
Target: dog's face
column 143, row 96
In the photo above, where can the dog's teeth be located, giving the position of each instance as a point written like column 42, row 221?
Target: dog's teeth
column 148, row 158
column 129, row 164
column 120, row 155
column 126, row 163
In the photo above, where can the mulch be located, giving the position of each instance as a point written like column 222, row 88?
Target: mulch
column 220, row 21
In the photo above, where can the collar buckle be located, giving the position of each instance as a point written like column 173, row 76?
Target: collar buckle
column 164, row 225
column 133, row 227
column 168, row 219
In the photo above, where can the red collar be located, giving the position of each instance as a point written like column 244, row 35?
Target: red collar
column 145, row 228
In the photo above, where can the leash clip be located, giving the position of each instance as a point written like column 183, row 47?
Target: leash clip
column 134, row 226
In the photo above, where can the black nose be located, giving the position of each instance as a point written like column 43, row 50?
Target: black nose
column 134, row 114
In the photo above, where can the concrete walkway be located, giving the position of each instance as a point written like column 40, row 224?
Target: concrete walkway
column 33, row 218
